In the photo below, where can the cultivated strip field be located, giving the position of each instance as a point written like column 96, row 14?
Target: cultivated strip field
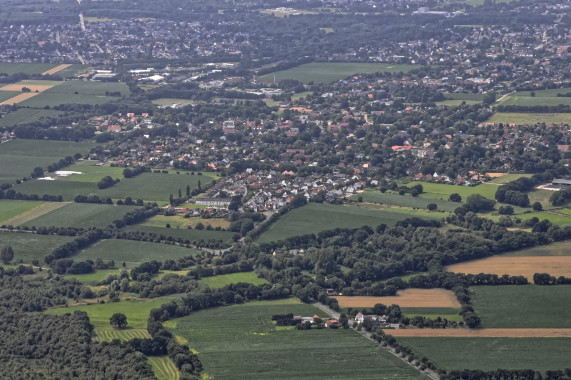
column 164, row 368
column 19, row 98
column 517, row 266
column 35, row 213
column 405, row 298
column 33, row 87
column 482, row 333
column 56, row 69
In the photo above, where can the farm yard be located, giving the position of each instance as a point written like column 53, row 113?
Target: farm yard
column 28, row 247
column 491, row 353
column 252, row 347
column 133, row 252
column 80, row 215
column 317, row 217
column 19, row 157
column 417, row 298
column 330, row 72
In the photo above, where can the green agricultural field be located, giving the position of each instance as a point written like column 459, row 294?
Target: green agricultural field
column 375, row 196
column 222, row 280
column 508, row 178
column 77, row 92
column 450, row 313
column 136, row 310
column 169, row 101
column 10, row 209
column 523, row 306
column 91, row 172
column 443, row 191
column 83, row 215
column 530, row 118
column 240, row 342
column 180, row 222
column 541, row 98
column 27, row 115
column 26, row 68
column 66, row 188
column 456, row 103
column 28, row 246
column 317, row 217
column 185, row 234
column 472, row 97
column 330, row 72
column 554, row 249
column 133, row 252
column 488, row 354
column 554, row 216
column 95, row 277
column 5, row 95
column 164, row 368
column 19, row 157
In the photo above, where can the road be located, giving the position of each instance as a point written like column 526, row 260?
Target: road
column 366, row 334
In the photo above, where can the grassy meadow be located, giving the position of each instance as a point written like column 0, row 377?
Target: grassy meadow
column 28, row 246
column 317, row 217
column 27, row 115
column 222, row 280
column 240, row 342
column 26, row 68
column 443, row 191
column 523, row 306
column 133, row 252
column 489, row 354
column 375, row 196
column 554, row 249
column 540, row 98
column 12, row 208
column 530, row 118
column 184, row 233
column 330, row 72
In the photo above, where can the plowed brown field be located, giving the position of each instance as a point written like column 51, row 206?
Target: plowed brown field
column 32, row 87
column 406, row 298
column 517, row 266
column 56, row 69
column 482, row 333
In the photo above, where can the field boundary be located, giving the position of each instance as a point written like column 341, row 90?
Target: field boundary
column 34, row 213
column 481, row 333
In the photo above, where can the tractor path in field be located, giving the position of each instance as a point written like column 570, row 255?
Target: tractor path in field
column 481, row 333
column 368, row 335
column 34, row 213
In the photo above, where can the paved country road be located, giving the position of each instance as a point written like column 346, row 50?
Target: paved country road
column 367, row 335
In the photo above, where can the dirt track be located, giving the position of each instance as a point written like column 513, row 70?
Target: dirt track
column 482, row 333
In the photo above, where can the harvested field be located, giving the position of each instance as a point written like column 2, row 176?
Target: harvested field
column 19, row 98
column 517, row 266
column 32, row 87
column 56, row 69
column 406, row 298
column 482, row 333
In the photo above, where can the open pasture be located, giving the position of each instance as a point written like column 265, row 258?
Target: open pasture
column 26, row 115
column 489, row 354
column 520, row 118
column 330, row 72
column 133, row 252
column 517, row 266
column 222, row 280
column 10, row 209
column 559, row 216
column 483, row 333
column 184, row 233
column 67, row 189
column 540, row 98
column 317, row 217
column 523, row 306
column 83, row 215
column 91, row 172
column 28, row 246
column 19, row 98
column 450, row 313
column 241, row 342
column 404, row 200
column 464, row 96
column 405, row 298
column 456, row 103
column 443, row 191
column 7, row 95
column 508, row 178
column 136, row 310
column 19, row 157
column 78, row 92
column 34, row 213
column 95, row 277
column 562, row 248
column 180, row 222
column 171, row 101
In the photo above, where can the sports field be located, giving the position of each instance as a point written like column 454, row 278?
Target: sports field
column 233, row 278
column 240, row 342
column 191, row 235
column 523, row 306
column 375, row 196
column 83, row 215
column 530, row 118
column 136, row 310
column 330, row 72
column 133, row 252
column 488, row 354
column 28, row 246
column 19, row 157
column 425, row 298
column 317, row 217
